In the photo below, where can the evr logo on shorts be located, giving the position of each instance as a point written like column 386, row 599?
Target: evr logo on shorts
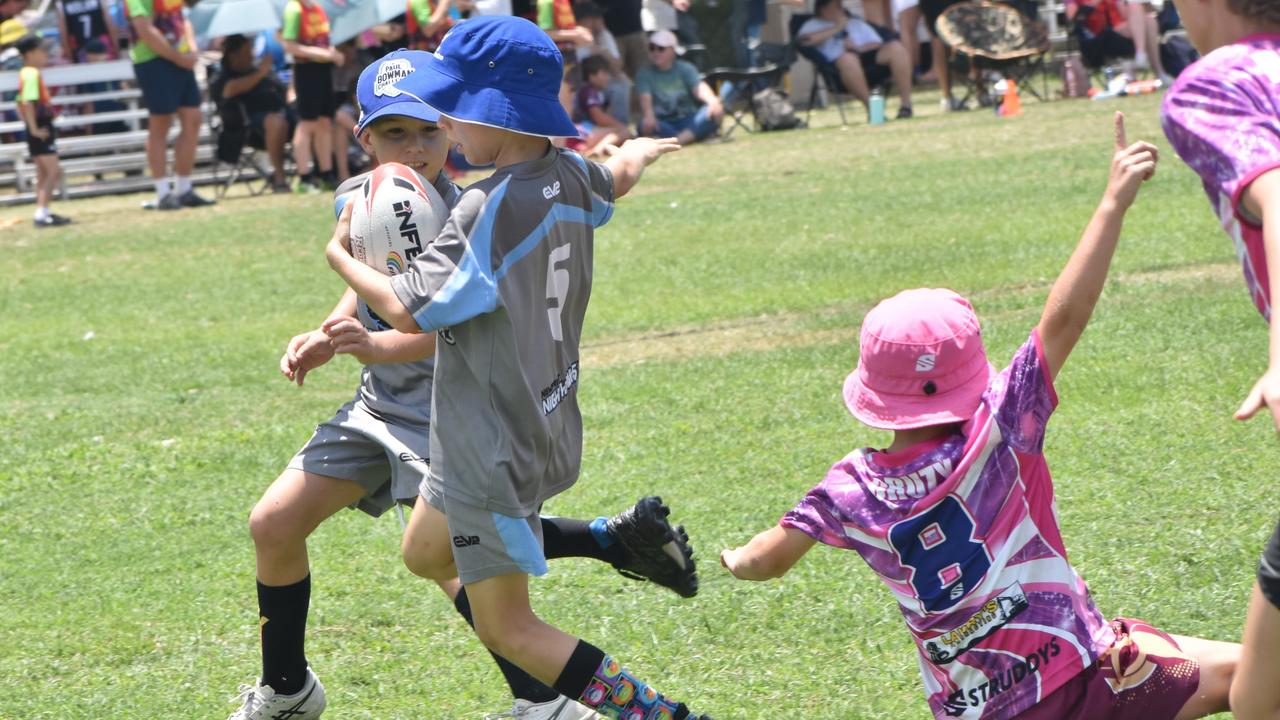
column 465, row 540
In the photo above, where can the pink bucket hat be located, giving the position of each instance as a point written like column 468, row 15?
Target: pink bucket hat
column 921, row 362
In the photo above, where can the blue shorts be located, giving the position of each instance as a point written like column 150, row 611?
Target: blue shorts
column 166, row 87
column 700, row 124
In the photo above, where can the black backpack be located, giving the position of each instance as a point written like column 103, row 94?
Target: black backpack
column 773, row 110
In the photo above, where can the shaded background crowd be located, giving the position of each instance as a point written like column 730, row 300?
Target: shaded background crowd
column 277, row 76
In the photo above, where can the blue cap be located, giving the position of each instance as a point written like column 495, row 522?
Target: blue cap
column 499, row 71
column 377, row 93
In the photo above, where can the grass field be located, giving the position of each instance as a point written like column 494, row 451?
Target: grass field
column 142, row 415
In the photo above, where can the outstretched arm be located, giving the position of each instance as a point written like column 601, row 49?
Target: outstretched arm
column 1076, row 291
column 628, row 161
column 1262, row 200
column 769, row 555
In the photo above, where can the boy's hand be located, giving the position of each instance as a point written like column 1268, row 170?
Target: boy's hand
column 187, row 60
column 41, row 133
column 1130, row 166
column 645, row 149
column 349, row 337
column 304, row 353
column 1265, row 392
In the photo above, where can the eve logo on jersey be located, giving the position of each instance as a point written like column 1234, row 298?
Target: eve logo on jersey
column 925, row 362
column 552, row 190
column 465, row 540
column 408, row 228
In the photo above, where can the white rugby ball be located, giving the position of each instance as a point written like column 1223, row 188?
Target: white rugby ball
column 397, row 214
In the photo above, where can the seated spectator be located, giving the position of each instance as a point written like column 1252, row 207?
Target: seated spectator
column 591, row 108
column 556, row 19
column 11, row 31
column 591, row 17
column 9, row 9
column 83, row 21
column 251, row 105
column 345, row 113
column 1113, row 30
column 862, row 53
column 674, row 101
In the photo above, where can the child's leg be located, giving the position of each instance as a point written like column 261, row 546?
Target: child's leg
column 576, row 669
column 1218, row 662
column 288, row 512
column 1255, row 693
column 157, row 151
column 46, row 181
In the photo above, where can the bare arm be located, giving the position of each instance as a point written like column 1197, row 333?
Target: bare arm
column 154, row 39
column 64, row 37
column 627, row 163
column 709, row 98
column 1262, row 200
column 818, row 37
column 372, row 286
column 1076, row 291
column 648, row 121
column 242, row 85
column 308, row 52
column 769, row 555
column 600, row 118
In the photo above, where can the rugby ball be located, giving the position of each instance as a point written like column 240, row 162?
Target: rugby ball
column 397, row 213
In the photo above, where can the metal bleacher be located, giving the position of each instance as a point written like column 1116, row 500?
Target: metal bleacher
column 92, row 164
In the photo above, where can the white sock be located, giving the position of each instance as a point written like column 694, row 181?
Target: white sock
column 42, row 212
column 184, row 184
column 162, row 187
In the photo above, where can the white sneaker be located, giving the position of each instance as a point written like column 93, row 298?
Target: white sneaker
column 562, row 708
column 260, row 702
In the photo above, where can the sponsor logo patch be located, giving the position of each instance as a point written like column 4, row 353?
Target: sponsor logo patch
column 390, row 73
column 997, row 611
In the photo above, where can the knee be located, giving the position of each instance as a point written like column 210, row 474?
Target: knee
column 273, row 525
column 509, row 634
column 427, row 561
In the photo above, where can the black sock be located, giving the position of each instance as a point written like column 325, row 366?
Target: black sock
column 566, row 537
column 283, row 623
column 523, row 686
column 579, row 677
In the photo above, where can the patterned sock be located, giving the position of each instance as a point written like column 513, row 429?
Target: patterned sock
column 600, row 683
column 523, row 686
column 566, row 537
column 283, row 623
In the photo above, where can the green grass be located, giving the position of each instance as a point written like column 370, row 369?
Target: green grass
column 728, row 291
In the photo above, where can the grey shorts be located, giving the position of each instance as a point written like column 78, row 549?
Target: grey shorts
column 487, row 544
column 387, row 460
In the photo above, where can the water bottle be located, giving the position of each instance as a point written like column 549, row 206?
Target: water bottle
column 875, row 108
column 546, row 14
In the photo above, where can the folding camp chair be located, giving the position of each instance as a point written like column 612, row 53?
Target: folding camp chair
column 991, row 35
column 826, row 72
column 745, row 81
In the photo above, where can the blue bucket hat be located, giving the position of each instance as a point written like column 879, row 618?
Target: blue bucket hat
column 377, row 93
column 499, row 71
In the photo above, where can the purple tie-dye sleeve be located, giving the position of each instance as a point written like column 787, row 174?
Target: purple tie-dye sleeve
column 1223, row 117
column 1022, row 398
column 818, row 514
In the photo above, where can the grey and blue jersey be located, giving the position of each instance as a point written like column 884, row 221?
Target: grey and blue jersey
column 396, row 392
column 506, row 285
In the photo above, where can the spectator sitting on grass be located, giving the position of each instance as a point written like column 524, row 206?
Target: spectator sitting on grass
column 862, row 53
column 251, row 105
column 674, row 101
column 591, row 108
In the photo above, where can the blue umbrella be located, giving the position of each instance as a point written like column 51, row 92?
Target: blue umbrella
column 349, row 18
column 219, row 18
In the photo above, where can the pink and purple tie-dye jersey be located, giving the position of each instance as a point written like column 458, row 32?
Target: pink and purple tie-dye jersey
column 963, row 531
column 1223, row 118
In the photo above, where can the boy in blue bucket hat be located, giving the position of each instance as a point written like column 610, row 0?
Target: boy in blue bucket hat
column 373, row 453
column 505, row 287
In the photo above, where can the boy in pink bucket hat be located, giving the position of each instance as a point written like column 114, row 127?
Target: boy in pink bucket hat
column 957, row 514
